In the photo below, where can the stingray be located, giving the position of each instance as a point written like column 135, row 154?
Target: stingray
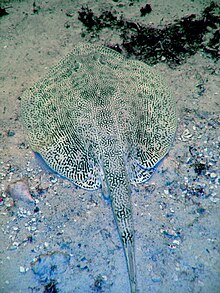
column 104, row 123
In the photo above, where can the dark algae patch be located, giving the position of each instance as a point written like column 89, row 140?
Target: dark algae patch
column 171, row 43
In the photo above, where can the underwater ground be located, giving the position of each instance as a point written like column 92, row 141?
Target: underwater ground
column 55, row 237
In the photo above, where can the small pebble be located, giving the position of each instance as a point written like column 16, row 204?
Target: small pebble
column 166, row 191
column 46, row 244
column 213, row 175
column 22, row 269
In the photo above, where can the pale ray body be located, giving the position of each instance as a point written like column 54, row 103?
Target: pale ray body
column 102, row 122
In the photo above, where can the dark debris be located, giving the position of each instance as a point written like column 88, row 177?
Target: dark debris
column 36, row 8
column 200, row 168
column 3, row 12
column 145, row 9
column 98, row 284
column 51, row 287
column 171, row 43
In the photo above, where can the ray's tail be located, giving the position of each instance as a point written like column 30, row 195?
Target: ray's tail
column 130, row 259
column 120, row 193
column 123, row 217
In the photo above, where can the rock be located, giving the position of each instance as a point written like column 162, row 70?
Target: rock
column 22, row 269
column 19, row 190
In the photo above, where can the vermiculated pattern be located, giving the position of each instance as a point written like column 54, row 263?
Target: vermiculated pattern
column 102, row 122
